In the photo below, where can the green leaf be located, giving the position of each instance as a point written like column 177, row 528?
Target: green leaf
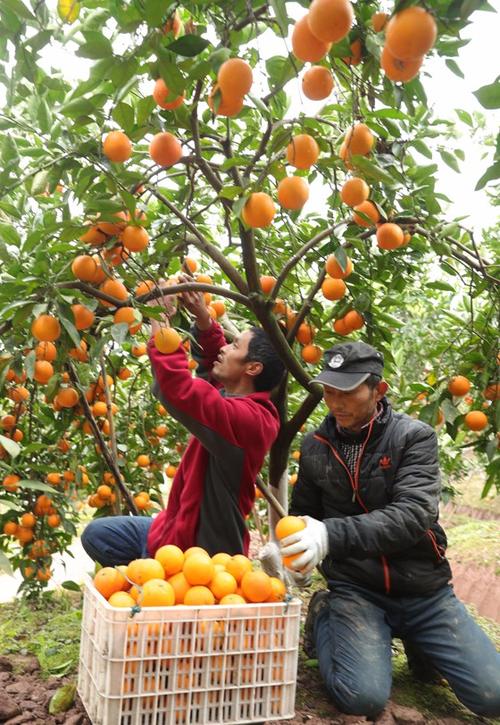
column 371, row 171
column 174, row 80
column 492, row 173
column 464, row 116
column 189, row 45
column 71, row 586
column 119, row 332
column 40, row 182
column 5, row 564
column 230, row 192
column 123, row 114
column 96, row 46
column 450, row 160
column 441, row 286
column 279, row 9
column 153, row 12
column 18, row 8
column 9, row 235
column 453, row 66
column 29, row 364
column 71, row 330
column 36, row 485
column 63, row 698
column 12, row 448
column 489, row 96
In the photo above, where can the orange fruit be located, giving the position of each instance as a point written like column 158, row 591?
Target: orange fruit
column 278, row 590
column 46, row 351
column 143, row 460
column 476, row 420
column 140, row 571
column 235, row 78
column 127, row 315
column 219, row 307
column 317, row 83
column 311, row 354
column 333, row 288
column 379, row 21
column 459, row 385
column 28, row 520
column 165, row 149
column 221, row 558
column 114, row 288
column 230, row 599
column 171, row 558
column 8, row 421
column 10, row 482
column 167, row 340
column 223, row 583
column 157, row 593
column 293, row 192
column 143, row 288
column 84, row 268
column 199, row 596
column 389, row 236
column 67, row 397
column 256, row 586
column 161, row 93
column 226, row 106
column 46, row 328
column 354, row 191
column 53, row 520
column 267, row 283
column 10, row 528
column 238, row 565
column 333, row 268
column 43, row 371
column 288, row 525
column 109, row 580
column 93, row 235
column 259, row 210
column 117, row 146
column 139, row 350
column 356, row 55
column 121, row 599
column 135, row 239
column 305, row 45
column 84, row 317
column 411, row 33
column 397, row 69
column 359, row 139
column 180, row 585
column 330, row 20
column 198, row 568
column 354, row 320
column 302, row 151
column 305, row 334
column 368, row 209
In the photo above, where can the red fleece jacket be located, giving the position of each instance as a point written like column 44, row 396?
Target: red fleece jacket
column 214, row 487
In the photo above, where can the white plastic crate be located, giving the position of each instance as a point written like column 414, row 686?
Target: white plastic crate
column 176, row 665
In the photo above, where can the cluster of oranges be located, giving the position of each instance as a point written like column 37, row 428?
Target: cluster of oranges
column 191, row 578
column 409, row 35
column 165, row 149
column 459, row 387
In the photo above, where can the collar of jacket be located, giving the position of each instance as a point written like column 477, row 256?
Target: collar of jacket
column 328, row 428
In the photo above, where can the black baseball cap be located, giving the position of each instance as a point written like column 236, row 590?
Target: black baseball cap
column 349, row 364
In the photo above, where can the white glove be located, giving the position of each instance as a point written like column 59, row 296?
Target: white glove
column 270, row 557
column 311, row 543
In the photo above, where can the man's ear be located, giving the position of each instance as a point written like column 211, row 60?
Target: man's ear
column 254, row 368
column 382, row 389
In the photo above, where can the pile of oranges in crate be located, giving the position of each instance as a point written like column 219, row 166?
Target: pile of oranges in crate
column 192, row 577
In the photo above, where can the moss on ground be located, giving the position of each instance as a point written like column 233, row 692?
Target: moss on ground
column 474, row 540
column 49, row 629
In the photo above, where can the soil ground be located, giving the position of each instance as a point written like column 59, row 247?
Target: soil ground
column 472, row 526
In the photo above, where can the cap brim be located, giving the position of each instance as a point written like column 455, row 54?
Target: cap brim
column 341, row 381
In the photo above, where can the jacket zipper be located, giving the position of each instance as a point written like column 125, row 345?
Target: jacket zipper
column 355, row 492
column 438, row 549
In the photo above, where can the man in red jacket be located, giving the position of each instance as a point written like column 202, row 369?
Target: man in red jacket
column 227, row 408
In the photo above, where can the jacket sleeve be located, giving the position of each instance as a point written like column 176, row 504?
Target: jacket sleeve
column 197, row 404
column 206, row 347
column 306, row 496
column 400, row 524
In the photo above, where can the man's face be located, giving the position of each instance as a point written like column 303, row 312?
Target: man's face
column 354, row 408
column 230, row 367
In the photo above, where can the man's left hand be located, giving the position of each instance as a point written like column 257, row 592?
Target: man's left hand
column 311, row 543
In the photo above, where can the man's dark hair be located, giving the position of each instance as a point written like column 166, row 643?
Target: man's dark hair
column 372, row 381
column 261, row 350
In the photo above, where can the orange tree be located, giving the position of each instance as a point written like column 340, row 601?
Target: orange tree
column 288, row 163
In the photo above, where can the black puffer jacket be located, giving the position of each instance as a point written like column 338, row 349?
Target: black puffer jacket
column 382, row 523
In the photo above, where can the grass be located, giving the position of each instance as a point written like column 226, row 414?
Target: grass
column 49, row 629
column 475, row 540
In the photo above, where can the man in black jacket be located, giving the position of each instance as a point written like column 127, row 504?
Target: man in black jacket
column 368, row 489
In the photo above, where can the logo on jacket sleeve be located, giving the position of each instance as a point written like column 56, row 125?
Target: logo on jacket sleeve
column 385, row 462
